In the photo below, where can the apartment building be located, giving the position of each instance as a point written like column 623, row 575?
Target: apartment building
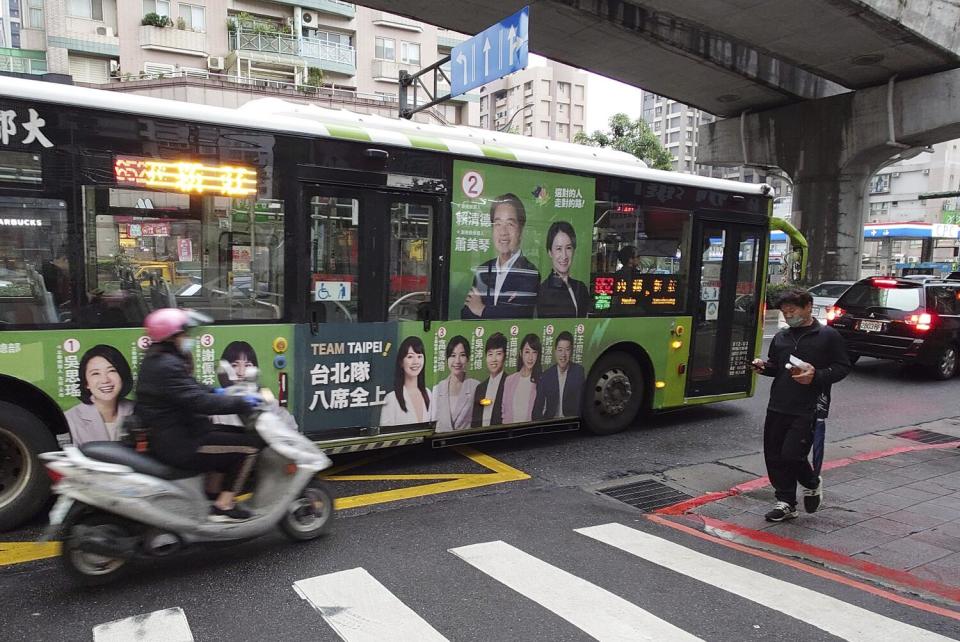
column 544, row 102
column 677, row 126
column 226, row 52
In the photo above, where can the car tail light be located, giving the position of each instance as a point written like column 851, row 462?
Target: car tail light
column 835, row 313
column 922, row 322
column 885, row 283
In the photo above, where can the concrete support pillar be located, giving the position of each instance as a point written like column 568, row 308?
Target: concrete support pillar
column 831, row 147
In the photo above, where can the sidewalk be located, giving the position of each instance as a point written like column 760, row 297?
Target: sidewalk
column 891, row 509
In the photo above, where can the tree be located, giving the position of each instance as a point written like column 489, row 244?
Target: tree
column 631, row 136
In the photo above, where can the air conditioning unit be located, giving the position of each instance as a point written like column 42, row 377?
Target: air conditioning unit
column 308, row 18
column 105, row 31
column 215, row 63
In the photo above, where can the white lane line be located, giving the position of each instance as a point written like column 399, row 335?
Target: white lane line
column 594, row 610
column 168, row 625
column 822, row 611
column 361, row 609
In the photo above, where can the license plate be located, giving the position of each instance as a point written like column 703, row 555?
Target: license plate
column 60, row 510
column 817, row 311
column 871, row 326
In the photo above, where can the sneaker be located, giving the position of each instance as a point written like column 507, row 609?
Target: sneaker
column 235, row 514
column 781, row 511
column 812, row 497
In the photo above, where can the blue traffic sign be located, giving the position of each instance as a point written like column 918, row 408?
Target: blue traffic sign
column 500, row 50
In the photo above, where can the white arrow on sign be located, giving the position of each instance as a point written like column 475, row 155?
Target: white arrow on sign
column 511, row 39
column 463, row 61
column 486, row 58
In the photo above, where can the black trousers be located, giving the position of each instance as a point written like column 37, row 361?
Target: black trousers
column 231, row 453
column 786, row 443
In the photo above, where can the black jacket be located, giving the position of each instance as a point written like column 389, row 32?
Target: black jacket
column 554, row 299
column 496, row 417
column 818, row 345
column 518, row 295
column 173, row 406
column 548, row 393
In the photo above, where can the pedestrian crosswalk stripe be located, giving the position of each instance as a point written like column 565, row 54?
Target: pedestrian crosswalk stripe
column 361, row 609
column 594, row 610
column 834, row 616
column 168, row 625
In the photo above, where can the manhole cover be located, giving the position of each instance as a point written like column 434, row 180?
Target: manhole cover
column 926, row 436
column 646, row 495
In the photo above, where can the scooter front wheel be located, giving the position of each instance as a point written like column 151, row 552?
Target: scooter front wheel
column 309, row 515
column 88, row 567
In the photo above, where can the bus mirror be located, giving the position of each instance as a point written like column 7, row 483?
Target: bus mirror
column 424, row 311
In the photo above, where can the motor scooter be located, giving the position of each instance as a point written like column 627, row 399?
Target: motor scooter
column 115, row 504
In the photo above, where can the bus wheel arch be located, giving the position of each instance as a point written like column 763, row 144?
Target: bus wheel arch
column 29, row 423
column 617, row 390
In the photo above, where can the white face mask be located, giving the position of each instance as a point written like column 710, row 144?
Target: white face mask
column 794, row 322
column 187, row 344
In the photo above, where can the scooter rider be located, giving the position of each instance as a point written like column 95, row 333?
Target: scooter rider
column 175, row 407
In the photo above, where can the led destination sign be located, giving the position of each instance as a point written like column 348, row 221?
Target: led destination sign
column 185, row 176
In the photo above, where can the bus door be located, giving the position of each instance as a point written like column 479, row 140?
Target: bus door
column 370, row 277
column 726, row 306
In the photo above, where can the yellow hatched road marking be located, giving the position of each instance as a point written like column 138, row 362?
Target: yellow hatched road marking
column 500, row 473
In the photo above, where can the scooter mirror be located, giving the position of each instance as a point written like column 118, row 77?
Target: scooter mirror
column 226, row 369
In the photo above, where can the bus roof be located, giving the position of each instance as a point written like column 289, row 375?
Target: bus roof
column 273, row 114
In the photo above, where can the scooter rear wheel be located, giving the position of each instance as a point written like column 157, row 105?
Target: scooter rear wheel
column 308, row 517
column 87, row 568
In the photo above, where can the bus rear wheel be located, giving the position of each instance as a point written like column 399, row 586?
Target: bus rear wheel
column 614, row 394
column 24, row 486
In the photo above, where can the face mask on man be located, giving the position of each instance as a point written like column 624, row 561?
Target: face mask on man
column 794, row 322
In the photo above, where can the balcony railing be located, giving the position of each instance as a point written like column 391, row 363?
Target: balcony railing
column 166, row 38
column 389, row 71
column 283, row 45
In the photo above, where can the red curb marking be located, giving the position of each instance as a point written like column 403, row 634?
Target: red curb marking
column 893, row 597
column 901, row 577
column 760, row 482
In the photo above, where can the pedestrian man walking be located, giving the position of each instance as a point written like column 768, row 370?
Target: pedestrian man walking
column 805, row 360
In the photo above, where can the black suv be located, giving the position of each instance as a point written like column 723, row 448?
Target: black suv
column 902, row 319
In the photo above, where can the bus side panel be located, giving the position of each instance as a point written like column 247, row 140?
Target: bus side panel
column 79, row 367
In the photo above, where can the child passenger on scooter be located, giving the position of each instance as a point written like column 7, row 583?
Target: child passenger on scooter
column 176, row 407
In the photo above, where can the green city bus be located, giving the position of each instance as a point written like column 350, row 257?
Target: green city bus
column 394, row 282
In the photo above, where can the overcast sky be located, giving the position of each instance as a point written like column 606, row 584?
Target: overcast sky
column 605, row 98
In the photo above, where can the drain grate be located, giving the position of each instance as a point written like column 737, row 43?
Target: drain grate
column 646, row 495
column 926, row 436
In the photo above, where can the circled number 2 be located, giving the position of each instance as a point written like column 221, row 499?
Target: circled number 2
column 472, row 184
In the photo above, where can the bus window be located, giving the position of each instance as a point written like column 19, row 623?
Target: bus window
column 639, row 263
column 148, row 249
column 34, row 268
column 410, row 242
column 334, row 256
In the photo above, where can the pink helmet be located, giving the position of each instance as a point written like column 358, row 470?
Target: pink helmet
column 168, row 322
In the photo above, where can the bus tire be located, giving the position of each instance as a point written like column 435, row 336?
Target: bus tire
column 24, row 486
column 614, row 394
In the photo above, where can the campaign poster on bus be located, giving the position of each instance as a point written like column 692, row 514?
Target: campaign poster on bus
column 506, row 373
column 520, row 243
column 92, row 374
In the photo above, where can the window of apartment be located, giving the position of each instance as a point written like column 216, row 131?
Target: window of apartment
column 159, row 7
column 563, row 130
column 483, row 103
column 484, row 121
column 91, row 9
column 578, row 112
column 578, row 93
column 880, row 184
column 658, row 111
column 15, row 35
column 545, row 87
column 35, row 14
column 334, row 38
column 690, row 122
column 563, row 89
column 385, row 49
column 528, row 86
column 561, row 109
column 194, row 16
column 410, row 53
